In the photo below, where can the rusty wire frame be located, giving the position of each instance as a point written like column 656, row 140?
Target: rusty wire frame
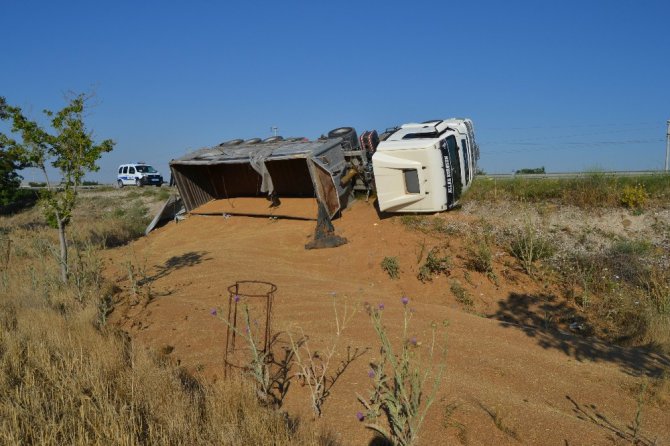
column 238, row 293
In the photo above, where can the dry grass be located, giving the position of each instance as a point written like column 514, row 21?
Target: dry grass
column 67, row 378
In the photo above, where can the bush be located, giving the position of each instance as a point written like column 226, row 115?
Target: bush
column 634, row 197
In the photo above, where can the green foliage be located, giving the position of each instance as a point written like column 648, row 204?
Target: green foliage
column 10, row 163
column 399, row 392
column 435, row 264
column 391, row 266
column 69, row 147
column 534, row 171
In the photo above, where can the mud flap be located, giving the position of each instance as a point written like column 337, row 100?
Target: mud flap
column 324, row 234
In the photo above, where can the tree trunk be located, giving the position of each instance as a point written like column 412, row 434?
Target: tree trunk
column 63, row 249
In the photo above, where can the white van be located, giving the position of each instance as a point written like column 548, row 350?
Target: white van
column 138, row 174
column 425, row 167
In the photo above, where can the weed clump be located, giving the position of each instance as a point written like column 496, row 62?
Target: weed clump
column 527, row 246
column 391, row 266
column 435, row 264
column 461, row 294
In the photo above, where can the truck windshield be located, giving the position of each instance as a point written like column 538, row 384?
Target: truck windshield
column 146, row 169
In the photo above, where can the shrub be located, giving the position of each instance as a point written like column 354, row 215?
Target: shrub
column 391, row 266
column 634, row 197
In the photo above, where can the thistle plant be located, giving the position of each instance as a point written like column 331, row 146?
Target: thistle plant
column 258, row 367
column 315, row 367
column 399, row 395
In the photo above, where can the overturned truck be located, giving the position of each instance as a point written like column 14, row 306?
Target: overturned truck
column 419, row 167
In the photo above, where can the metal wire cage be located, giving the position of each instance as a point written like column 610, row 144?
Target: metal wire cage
column 256, row 298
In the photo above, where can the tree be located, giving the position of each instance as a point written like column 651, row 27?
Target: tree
column 69, row 147
column 10, row 164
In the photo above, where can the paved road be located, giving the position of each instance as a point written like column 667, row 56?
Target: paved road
column 554, row 175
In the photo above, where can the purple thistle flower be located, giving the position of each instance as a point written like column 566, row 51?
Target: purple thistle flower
column 381, row 306
column 360, row 416
column 213, row 312
column 371, row 373
column 236, row 298
column 413, row 341
column 404, row 300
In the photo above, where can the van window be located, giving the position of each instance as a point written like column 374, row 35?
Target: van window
column 411, row 181
column 125, row 169
column 466, row 159
column 120, row 169
column 131, row 169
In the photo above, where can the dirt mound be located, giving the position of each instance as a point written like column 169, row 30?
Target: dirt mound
column 511, row 382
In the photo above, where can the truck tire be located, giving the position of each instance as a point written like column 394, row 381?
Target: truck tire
column 119, row 184
column 138, row 182
column 348, row 135
column 274, row 139
column 232, row 142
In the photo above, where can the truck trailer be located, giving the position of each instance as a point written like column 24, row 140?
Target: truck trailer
column 412, row 168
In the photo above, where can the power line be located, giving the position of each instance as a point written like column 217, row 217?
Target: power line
column 568, row 147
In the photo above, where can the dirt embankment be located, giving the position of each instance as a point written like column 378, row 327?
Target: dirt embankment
column 511, row 382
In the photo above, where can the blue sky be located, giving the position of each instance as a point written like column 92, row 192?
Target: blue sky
column 566, row 85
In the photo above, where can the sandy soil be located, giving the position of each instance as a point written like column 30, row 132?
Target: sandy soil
column 512, row 382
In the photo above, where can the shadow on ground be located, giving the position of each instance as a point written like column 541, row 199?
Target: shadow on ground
column 539, row 317
column 615, row 431
column 175, row 263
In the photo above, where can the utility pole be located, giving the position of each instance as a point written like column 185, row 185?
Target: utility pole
column 667, row 147
column 274, row 129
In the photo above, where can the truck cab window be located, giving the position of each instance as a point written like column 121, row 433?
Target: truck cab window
column 411, row 181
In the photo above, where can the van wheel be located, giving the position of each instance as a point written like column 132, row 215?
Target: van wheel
column 119, row 184
column 138, row 183
column 348, row 135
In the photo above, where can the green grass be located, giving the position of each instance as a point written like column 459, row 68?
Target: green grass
column 592, row 190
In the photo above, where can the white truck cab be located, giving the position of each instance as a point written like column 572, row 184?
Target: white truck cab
column 138, row 174
column 425, row 167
